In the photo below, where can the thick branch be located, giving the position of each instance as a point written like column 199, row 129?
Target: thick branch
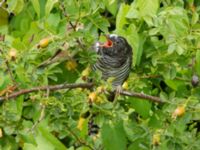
column 77, row 85
column 50, row 88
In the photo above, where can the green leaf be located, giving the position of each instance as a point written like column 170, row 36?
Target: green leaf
column 120, row 19
column 49, row 5
column 13, row 109
column 4, row 81
column 195, row 18
column 16, row 6
column 28, row 146
column 139, row 51
column 145, row 9
column 172, row 84
column 134, row 131
column 44, row 140
column 148, row 8
column 112, row 6
column 8, row 143
column 179, row 50
column 176, row 85
column 53, row 21
column 171, row 48
column 142, row 107
column 113, row 136
column 96, row 21
column 174, row 23
column 36, row 5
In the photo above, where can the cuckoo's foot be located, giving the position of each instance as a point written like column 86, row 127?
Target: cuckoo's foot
column 118, row 90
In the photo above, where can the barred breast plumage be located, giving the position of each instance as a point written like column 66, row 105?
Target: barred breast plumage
column 115, row 59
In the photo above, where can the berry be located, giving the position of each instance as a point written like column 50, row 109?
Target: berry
column 93, row 96
column 12, row 54
column 80, row 123
column 85, row 73
column 43, row 43
column 125, row 85
column 71, row 65
column 195, row 80
column 179, row 111
column 156, row 139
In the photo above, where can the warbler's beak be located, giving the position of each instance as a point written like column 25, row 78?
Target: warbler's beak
column 108, row 43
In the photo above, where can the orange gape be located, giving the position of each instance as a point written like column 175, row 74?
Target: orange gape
column 108, row 43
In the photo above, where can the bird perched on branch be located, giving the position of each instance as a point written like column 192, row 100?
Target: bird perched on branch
column 115, row 61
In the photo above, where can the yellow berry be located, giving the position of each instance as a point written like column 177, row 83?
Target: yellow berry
column 71, row 65
column 12, row 53
column 156, row 139
column 93, row 96
column 1, row 133
column 85, row 73
column 44, row 43
column 95, row 137
column 179, row 111
column 80, row 123
column 100, row 89
column 125, row 85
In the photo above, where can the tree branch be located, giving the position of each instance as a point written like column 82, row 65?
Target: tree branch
column 44, row 88
column 142, row 96
column 77, row 85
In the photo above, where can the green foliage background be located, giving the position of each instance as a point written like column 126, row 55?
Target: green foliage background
column 165, row 37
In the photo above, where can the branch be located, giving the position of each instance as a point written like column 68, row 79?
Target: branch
column 80, row 141
column 142, row 96
column 2, row 3
column 73, row 26
column 77, row 85
column 50, row 88
column 8, row 69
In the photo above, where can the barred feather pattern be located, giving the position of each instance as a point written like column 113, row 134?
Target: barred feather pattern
column 115, row 61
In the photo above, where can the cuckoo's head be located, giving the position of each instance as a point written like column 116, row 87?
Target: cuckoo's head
column 115, row 46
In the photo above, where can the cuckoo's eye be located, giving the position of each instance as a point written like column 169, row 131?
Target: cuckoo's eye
column 117, row 42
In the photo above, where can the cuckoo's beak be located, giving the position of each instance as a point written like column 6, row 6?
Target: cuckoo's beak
column 108, row 42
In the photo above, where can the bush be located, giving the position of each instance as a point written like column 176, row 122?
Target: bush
column 46, row 43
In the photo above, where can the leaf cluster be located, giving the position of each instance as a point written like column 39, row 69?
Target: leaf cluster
column 165, row 38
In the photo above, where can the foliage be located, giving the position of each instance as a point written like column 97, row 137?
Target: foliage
column 165, row 37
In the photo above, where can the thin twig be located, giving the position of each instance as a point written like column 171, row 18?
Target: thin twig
column 77, row 85
column 71, row 24
column 42, row 115
column 80, row 141
column 149, row 76
column 2, row 3
column 9, row 70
